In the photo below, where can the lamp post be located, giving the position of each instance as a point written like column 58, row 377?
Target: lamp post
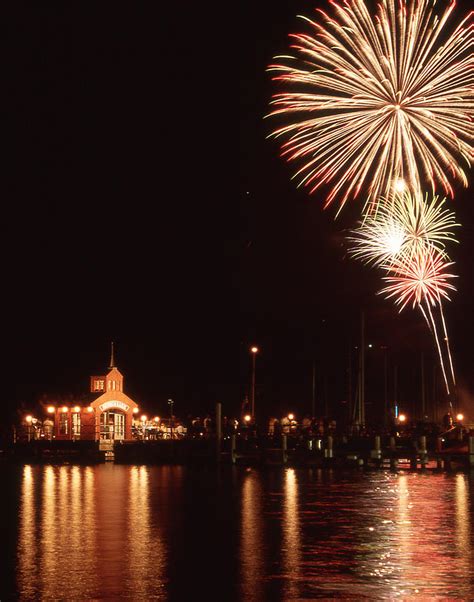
column 253, row 351
column 170, row 403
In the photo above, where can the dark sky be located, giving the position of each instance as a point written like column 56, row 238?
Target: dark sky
column 144, row 204
column 302, row 296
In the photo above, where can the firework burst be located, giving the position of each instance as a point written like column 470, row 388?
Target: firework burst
column 422, row 279
column 406, row 237
column 378, row 100
column 403, row 226
column 419, row 278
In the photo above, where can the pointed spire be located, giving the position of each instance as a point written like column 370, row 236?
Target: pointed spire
column 112, row 361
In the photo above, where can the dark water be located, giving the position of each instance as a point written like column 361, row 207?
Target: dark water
column 176, row 533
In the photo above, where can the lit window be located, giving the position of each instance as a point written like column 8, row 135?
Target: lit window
column 63, row 423
column 76, row 425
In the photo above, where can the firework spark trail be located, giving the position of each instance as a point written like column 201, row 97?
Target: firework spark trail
column 432, row 327
column 448, row 346
column 378, row 100
column 422, row 280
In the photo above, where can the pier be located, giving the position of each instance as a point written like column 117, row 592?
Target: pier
column 375, row 452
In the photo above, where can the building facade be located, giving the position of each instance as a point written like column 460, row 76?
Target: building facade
column 110, row 415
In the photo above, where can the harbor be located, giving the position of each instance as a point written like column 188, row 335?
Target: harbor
column 446, row 452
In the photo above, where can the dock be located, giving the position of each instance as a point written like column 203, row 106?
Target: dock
column 376, row 452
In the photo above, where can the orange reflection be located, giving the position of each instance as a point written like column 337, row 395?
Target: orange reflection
column 423, row 552
column 28, row 566
column 86, row 533
column 251, row 538
column 112, row 516
column 48, row 550
column 291, row 536
column 404, row 531
column 146, row 548
column 463, row 523
column 66, row 549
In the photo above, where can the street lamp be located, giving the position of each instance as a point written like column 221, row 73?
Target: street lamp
column 29, row 420
column 253, row 351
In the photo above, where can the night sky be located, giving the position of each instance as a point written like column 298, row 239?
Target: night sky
column 145, row 205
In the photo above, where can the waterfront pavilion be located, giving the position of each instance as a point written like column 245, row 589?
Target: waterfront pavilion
column 108, row 416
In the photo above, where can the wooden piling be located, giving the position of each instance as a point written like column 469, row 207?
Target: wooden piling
column 376, row 453
column 284, row 448
column 233, row 441
column 471, row 451
column 423, row 451
column 328, row 452
column 393, row 458
column 439, row 447
column 218, row 430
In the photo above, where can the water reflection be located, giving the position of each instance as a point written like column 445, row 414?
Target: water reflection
column 85, row 532
column 463, row 523
column 48, row 531
column 109, row 532
column 291, row 547
column 27, row 569
column 146, row 548
column 425, row 548
column 251, row 533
